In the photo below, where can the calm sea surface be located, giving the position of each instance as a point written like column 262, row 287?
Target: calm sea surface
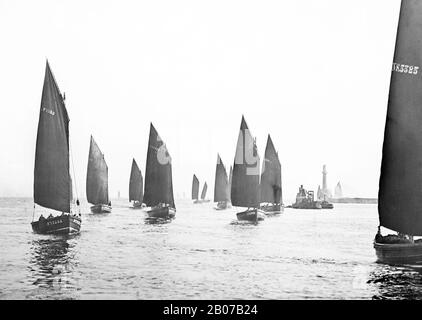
column 202, row 254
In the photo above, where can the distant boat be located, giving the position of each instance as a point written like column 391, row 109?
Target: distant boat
column 326, row 205
column 400, row 193
column 97, row 180
column 158, row 179
column 271, row 192
column 305, row 200
column 320, row 195
column 195, row 191
column 136, row 188
column 338, row 192
column 204, row 193
column 52, row 182
column 245, row 181
column 221, row 186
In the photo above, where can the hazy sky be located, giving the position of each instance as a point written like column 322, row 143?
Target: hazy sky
column 313, row 74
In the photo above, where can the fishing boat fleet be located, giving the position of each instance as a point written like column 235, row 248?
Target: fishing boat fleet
column 259, row 193
column 254, row 189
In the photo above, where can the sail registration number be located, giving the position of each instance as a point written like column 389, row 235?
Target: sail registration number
column 48, row 111
column 50, row 223
column 404, row 68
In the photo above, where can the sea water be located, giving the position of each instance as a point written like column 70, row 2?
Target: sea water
column 202, row 254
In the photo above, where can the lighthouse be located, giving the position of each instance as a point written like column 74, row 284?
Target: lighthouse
column 325, row 194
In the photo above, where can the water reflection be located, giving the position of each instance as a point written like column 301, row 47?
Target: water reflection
column 149, row 220
column 96, row 216
column 395, row 282
column 244, row 223
column 51, row 262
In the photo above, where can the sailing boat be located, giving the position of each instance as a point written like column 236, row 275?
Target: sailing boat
column 245, row 181
column 400, row 193
column 52, row 182
column 271, row 193
column 136, row 191
column 158, row 179
column 204, row 193
column 195, row 189
column 97, row 180
column 221, row 186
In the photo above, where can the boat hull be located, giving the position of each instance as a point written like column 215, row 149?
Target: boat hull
column 64, row 224
column 400, row 253
column 326, row 205
column 161, row 213
column 101, row 208
column 272, row 209
column 307, row 205
column 251, row 215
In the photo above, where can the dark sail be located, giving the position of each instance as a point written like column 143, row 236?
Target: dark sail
column 204, row 191
column 195, row 188
column 97, row 176
column 400, row 193
column 158, row 173
column 221, row 186
column 136, row 192
column 52, row 186
column 271, row 175
column 245, row 181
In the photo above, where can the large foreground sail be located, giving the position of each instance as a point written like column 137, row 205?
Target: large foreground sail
column 400, row 192
column 52, row 181
column 52, row 185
